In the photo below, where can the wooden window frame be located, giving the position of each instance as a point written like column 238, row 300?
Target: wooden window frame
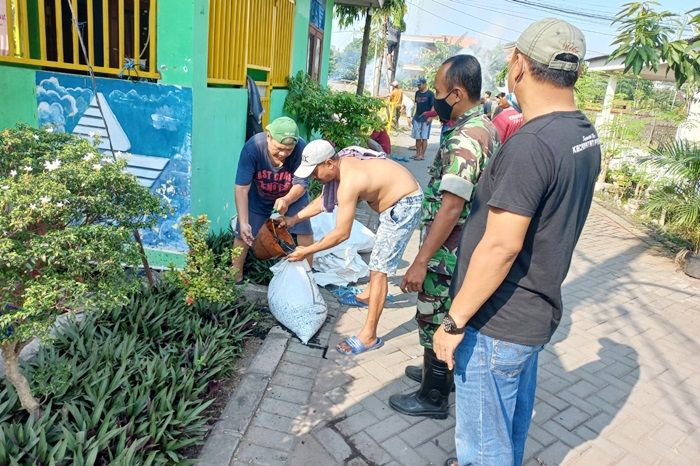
column 315, row 53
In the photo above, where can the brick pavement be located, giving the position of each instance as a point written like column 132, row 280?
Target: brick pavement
column 619, row 384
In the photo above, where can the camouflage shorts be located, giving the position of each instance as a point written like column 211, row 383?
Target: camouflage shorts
column 433, row 303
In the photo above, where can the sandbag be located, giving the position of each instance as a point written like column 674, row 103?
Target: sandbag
column 295, row 300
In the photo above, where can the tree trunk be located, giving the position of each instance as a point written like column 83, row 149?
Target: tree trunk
column 605, row 163
column 395, row 60
column 377, row 81
column 13, row 373
column 380, row 64
column 365, row 51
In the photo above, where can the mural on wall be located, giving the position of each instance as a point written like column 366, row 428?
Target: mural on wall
column 150, row 125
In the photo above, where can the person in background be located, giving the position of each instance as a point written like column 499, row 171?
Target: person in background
column 265, row 182
column 425, row 98
column 498, row 109
column 507, row 120
column 487, row 103
column 468, row 140
column 380, row 141
column 530, row 208
column 408, row 107
column 395, row 100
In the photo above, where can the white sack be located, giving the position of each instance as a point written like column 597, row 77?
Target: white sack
column 294, row 299
column 340, row 270
column 361, row 237
column 342, row 264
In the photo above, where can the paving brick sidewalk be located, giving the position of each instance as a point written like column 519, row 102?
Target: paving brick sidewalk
column 620, row 383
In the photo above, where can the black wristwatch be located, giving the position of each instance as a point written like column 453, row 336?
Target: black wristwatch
column 450, row 326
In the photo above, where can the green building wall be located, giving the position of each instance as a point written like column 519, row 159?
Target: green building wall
column 17, row 96
column 218, row 113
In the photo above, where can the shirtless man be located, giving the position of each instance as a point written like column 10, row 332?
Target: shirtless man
column 388, row 188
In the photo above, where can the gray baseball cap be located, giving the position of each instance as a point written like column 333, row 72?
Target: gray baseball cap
column 545, row 39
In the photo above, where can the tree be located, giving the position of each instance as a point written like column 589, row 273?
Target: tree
column 431, row 60
column 348, row 15
column 492, row 62
column 590, row 88
column 347, row 61
column 645, row 40
column 65, row 236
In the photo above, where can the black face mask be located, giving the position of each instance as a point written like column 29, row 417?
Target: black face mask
column 443, row 108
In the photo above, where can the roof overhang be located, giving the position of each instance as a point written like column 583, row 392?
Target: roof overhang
column 602, row 65
column 362, row 3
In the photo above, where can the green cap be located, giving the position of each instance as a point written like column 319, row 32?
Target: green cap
column 284, row 130
column 545, row 39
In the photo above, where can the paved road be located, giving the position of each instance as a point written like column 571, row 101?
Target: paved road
column 620, row 383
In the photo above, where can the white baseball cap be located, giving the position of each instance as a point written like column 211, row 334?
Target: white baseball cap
column 315, row 152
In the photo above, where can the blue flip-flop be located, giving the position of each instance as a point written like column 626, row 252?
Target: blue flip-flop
column 357, row 347
column 351, row 300
column 339, row 291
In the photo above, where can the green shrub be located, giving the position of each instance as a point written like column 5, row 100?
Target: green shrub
column 343, row 118
column 208, row 275
column 630, row 181
column 66, row 232
column 676, row 198
column 255, row 270
column 140, row 381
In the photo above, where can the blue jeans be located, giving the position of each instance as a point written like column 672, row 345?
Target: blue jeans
column 495, row 383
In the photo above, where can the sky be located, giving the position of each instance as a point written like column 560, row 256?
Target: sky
column 494, row 22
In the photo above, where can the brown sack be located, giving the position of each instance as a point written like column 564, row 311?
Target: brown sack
column 272, row 241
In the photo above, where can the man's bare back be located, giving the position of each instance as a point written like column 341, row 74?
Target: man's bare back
column 380, row 182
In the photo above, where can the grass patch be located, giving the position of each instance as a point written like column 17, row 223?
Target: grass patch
column 132, row 386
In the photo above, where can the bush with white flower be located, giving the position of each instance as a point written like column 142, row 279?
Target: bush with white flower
column 67, row 216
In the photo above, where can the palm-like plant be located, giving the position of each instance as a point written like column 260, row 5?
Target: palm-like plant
column 679, row 198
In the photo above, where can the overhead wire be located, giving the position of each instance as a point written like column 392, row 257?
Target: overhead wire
column 558, row 9
column 458, row 24
column 501, row 39
column 510, row 15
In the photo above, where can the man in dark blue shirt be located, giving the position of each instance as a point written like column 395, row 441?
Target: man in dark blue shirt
column 421, row 123
column 265, row 182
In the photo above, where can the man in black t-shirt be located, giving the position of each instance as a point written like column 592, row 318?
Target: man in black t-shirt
column 486, row 101
column 422, row 122
column 531, row 204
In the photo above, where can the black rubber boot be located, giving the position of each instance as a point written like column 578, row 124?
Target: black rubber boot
column 416, row 373
column 431, row 398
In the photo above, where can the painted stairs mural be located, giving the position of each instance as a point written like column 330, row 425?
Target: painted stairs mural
column 150, row 125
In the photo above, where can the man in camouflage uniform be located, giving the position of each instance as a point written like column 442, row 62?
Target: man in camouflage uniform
column 467, row 141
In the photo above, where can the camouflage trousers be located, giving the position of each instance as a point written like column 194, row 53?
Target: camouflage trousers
column 433, row 303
